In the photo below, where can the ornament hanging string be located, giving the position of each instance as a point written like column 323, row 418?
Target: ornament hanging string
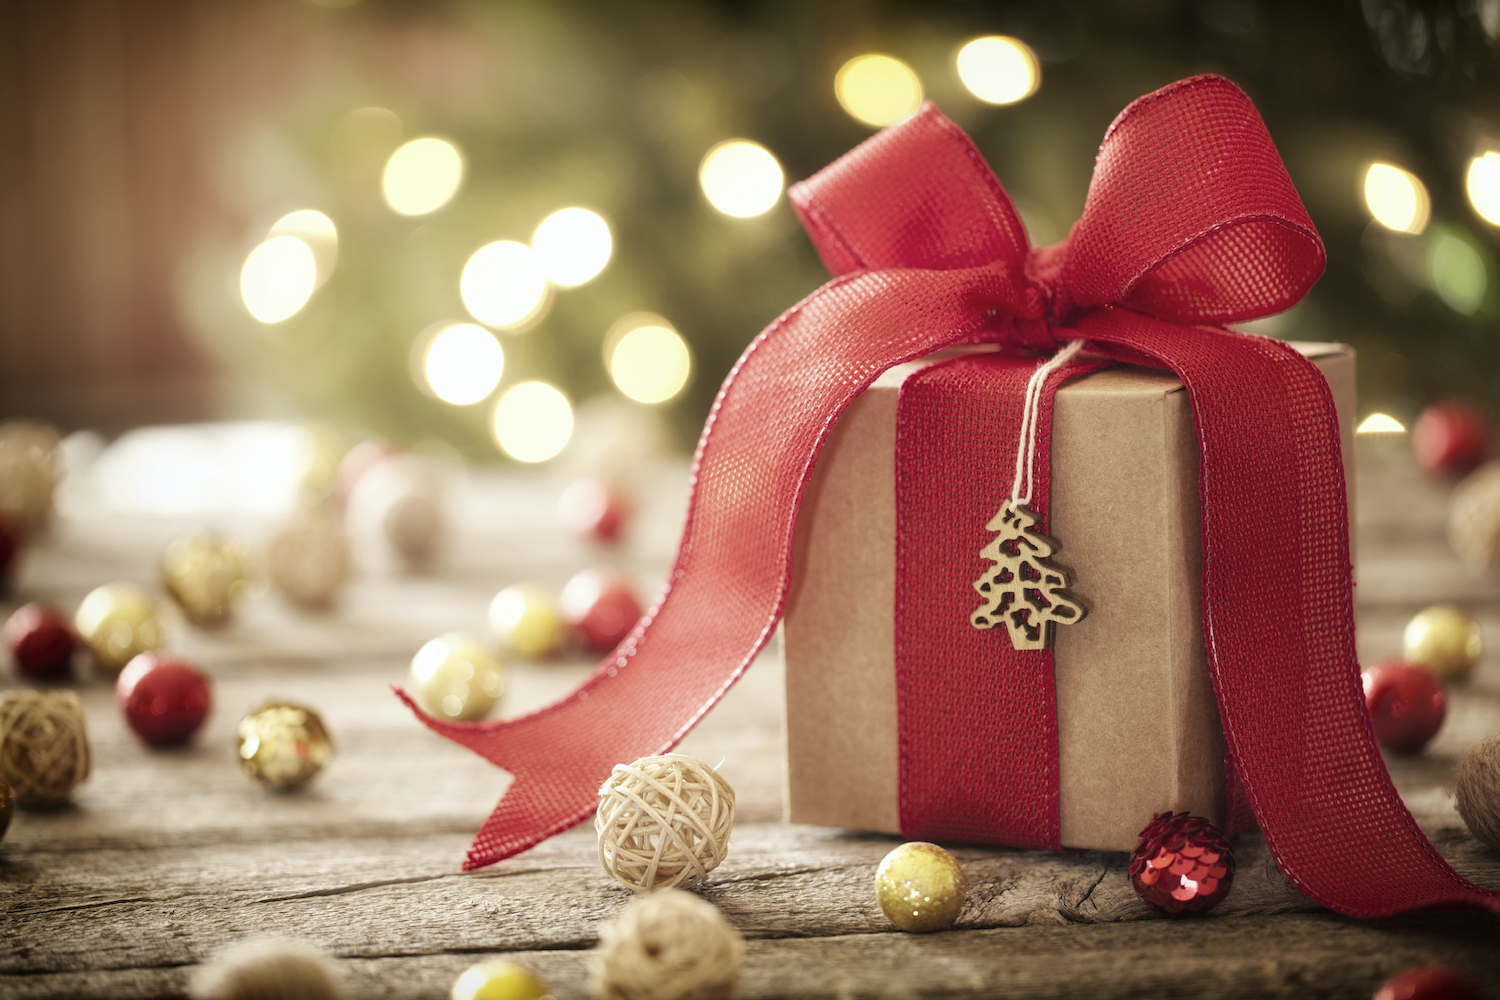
column 1191, row 223
column 1026, row 444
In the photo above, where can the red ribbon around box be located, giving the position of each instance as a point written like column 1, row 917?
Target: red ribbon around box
column 1190, row 219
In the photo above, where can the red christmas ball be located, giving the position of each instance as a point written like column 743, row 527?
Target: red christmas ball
column 10, row 550
column 601, row 606
column 594, row 508
column 1450, row 438
column 164, row 700
column 41, row 642
column 1182, row 864
column 1406, row 704
column 1429, row 982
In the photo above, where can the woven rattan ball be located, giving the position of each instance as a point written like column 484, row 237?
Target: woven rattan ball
column 670, row 945
column 1476, row 791
column 1474, row 518
column 268, row 969
column 663, row 821
column 44, row 747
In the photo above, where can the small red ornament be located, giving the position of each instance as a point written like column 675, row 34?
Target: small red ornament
column 1450, row 438
column 164, row 700
column 601, row 606
column 594, row 508
column 359, row 460
column 1406, row 704
column 41, row 641
column 1429, row 982
column 10, row 549
column 1183, row 864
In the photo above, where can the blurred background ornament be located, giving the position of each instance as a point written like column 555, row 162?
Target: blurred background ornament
column 1445, row 640
column 164, row 700
column 10, row 553
column 1474, row 518
column 920, row 887
column 526, row 619
column 663, row 821
column 594, row 508
column 396, row 514
column 263, row 968
column 358, row 460
column 1476, row 790
column 1429, row 982
column 206, row 576
column 457, row 678
column 1407, row 705
column 29, row 471
column 499, row 979
column 41, row 642
column 600, row 605
column 283, row 746
column 1450, row 438
column 44, row 746
column 307, row 558
column 117, row 622
column 1183, row 864
column 669, row 945
column 7, row 807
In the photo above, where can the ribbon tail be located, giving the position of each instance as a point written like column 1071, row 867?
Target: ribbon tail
column 726, row 590
column 1278, row 619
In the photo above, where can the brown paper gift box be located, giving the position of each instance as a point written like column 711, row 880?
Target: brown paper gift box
column 1138, row 728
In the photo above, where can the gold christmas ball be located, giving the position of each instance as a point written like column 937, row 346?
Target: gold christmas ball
column 283, row 746
column 117, row 623
column 29, row 470
column 307, row 560
column 526, row 619
column 1445, row 640
column 206, row 576
column 920, row 887
column 499, row 980
column 44, row 746
column 457, row 678
column 7, row 807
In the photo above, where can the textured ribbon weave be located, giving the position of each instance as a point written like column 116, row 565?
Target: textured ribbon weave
column 1190, row 219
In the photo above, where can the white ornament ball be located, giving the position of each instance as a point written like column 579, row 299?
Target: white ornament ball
column 663, row 821
column 457, row 678
column 670, row 945
column 396, row 513
column 307, row 559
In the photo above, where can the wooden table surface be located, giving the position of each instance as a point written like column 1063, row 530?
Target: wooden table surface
column 164, row 858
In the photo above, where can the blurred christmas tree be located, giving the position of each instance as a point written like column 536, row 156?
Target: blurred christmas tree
column 613, row 107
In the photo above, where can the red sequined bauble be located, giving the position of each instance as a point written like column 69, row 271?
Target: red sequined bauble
column 1450, row 438
column 1406, row 703
column 601, row 606
column 164, row 700
column 1429, row 982
column 1183, row 864
column 41, row 641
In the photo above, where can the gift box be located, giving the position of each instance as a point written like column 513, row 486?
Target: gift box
column 1138, row 729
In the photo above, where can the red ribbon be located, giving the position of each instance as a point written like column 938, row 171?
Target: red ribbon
column 1190, row 219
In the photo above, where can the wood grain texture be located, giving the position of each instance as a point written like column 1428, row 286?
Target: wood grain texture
column 164, row 858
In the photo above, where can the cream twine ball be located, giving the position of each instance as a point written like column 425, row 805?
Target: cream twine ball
column 662, row 821
column 670, row 945
column 268, row 970
column 1476, row 791
column 44, row 747
column 1474, row 518
column 29, row 471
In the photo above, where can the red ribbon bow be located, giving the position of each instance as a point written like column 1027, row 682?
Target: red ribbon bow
column 1190, row 219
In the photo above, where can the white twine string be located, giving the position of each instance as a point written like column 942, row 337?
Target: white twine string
column 1026, row 443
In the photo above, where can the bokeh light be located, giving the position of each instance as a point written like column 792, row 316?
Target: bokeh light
column 1396, row 198
column 1483, row 183
column 648, row 360
column 1456, row 271
column 571, row 246
column 422, row 175
column 741, row 178
column 877, row 89
column 278, row 278
column 463, row 363
column 999, row 70
column 532, row 422
column 1380, row 423
column 502, row 286
column 318, row 232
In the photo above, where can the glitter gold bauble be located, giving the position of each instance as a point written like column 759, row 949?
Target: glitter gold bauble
column 1445, row 640
column 283, row 746
column 206, row 576
column 457, row 678
column 307, row 560
column 499, row 980
column 117, row 623
column 920, row 887
column 28, row 473
column 526, row 619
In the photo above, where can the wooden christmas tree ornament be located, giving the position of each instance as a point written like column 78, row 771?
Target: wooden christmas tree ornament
column 44, row 747
column 663, row 821
column 670, row 945
column 1023, row 590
